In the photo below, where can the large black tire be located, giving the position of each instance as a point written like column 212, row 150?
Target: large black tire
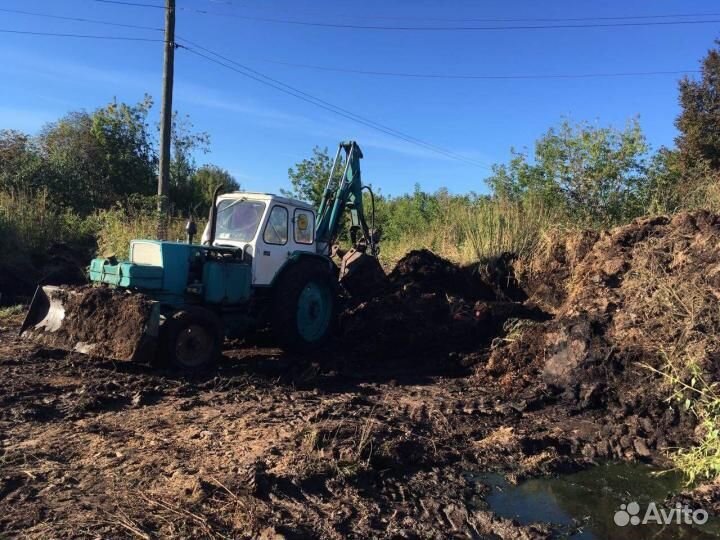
column 304, row 308
column 191, row 339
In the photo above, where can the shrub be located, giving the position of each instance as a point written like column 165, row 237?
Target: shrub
column 30, row 223
column 118, row 226
column 495, row 226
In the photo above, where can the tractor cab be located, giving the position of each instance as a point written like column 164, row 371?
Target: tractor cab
column 270, row 229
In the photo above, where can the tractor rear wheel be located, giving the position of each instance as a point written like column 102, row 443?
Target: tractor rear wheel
column 191, row 339
column 304, row 307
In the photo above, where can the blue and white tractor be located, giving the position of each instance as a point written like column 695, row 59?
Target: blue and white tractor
column 263, row 260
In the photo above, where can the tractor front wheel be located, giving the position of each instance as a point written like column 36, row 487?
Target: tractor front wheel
column 191, row 339
column 304, row 307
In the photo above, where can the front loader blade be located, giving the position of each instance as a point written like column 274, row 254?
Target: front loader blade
column 97, row 321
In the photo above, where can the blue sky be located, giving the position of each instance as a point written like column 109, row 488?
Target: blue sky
column 257, row 132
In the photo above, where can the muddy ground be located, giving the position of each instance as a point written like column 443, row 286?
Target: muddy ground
column 450, row 372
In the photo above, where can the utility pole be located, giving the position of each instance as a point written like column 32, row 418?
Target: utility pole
column 166, row 119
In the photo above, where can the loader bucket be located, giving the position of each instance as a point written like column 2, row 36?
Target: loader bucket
column 98, row 321
column 361, row 275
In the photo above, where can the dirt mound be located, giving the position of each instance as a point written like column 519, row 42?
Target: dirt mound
column 422, row 271
column 432, row 306
column 546, row 278
column 705, row 496
column 119, row 320
column 637, row 298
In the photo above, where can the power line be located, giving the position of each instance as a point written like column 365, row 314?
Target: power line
column 134, row 4
column 460, row 28
column 479, row 77
column 304, row 96
column 392, row 73
column 79, row 19
column 513, row 19
column 340, row 111
column 405, row 18
column 386, row 73
column 576, row 19
column 83, row 36
column 319, row 24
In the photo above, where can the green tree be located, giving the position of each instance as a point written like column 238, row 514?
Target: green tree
column 698, row 143
column 594, row 174
column 128, row 158
column 92, row 160
column 96, row 159
column 206, row 179
column 184, row 193
column 309, row 177
column 661, row 194
column 408, row 213
column 699, row 120
column 22, row 168
column 521, row 178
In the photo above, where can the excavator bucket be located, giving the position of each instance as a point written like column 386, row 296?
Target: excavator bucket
column 361, row 274
column 98, row 321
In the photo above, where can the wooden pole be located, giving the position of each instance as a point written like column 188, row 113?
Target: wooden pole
column 166, row 119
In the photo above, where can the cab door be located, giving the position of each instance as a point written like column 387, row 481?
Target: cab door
column 273, row 246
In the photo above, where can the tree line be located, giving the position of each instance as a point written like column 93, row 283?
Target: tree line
column 592, row 175
column 89, row 161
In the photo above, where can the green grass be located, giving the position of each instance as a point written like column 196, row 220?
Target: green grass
column 117, row 227
column 31, row 223
column 701, row 461
column 493, row 227
column 11, row 312
column 476, row 232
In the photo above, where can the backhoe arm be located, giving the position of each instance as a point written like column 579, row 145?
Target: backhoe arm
column 360, row 272
column 345, row 193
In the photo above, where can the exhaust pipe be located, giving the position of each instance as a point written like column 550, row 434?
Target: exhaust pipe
column 213, row 215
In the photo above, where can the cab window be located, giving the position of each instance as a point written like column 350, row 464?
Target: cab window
column 238, row 219
column 304, row 226
column 276, row 230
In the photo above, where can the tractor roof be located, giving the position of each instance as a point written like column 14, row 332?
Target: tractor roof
column 257, row 196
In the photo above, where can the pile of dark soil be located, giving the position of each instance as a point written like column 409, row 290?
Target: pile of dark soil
column 614, row 315
column 705, row 496
column 433, row 307
column 99, row 321
column 546, row 278
column 422, row 271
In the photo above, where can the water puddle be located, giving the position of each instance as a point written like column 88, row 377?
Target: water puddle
column 585, row 504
